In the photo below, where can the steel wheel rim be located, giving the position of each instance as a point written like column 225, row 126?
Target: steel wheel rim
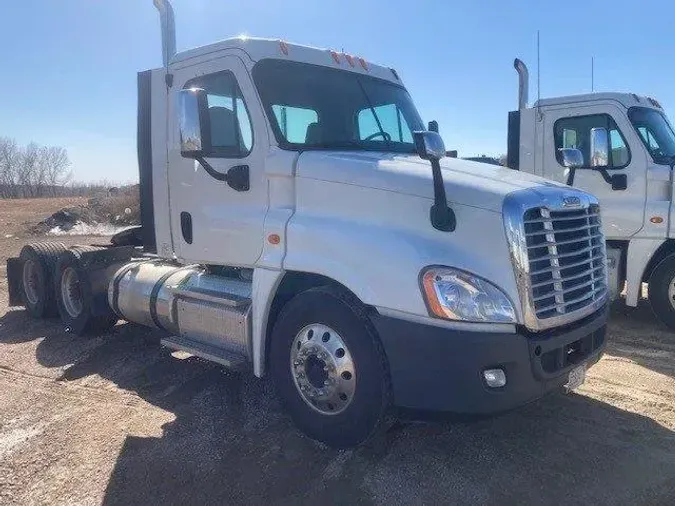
column 31, row 281
column 323, row 370
column 671, row 293
column 71, row 293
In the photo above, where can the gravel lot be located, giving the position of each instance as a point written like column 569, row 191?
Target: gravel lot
column 117, row 420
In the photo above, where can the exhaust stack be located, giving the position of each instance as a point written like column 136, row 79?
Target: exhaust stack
column 168, row 30
column 523, row 82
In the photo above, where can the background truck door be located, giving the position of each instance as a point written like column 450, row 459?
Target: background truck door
column 569, row 127
column 210, row 221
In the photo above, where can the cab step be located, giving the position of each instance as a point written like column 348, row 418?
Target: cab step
column 207, row 352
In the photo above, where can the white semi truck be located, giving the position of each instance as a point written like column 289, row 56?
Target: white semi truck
column 621, row 148
column 297, row 222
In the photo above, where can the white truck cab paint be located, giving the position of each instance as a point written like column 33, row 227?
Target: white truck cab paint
column 298, row 220
column 621, row 148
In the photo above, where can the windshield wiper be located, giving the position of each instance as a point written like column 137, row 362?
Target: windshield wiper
column 385, row 136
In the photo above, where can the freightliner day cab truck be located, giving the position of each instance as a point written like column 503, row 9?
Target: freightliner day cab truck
column 621, row 148
column 297, row 222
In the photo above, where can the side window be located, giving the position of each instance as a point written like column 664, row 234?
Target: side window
column 231, row 133
column 391, row 120
column 575, row 132
column 297, row 124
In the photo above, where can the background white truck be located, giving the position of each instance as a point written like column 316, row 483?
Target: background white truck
column 296, row 221
column 621, row 148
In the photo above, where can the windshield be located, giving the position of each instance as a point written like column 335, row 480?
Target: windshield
column 655, row 132
column 313, row 107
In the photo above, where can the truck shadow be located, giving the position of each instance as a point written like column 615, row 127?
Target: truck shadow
column 637, row 335
column 230, row 442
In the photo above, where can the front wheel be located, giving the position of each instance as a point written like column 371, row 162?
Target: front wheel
column 662, row 291
column 329, row 367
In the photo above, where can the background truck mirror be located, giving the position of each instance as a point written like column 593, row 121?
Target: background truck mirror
column 571, row 158
column 619, row 182
column 599, row 147
column 194, row 123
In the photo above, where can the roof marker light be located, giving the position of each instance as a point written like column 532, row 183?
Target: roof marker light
column 284, row 47
column 336, row 57
column 363, row 64
column 350, row 59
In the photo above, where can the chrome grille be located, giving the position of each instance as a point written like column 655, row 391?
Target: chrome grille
column 566, row 259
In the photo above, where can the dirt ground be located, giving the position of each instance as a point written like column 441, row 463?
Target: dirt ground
column 117, row 420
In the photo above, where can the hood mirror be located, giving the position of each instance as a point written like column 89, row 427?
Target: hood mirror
column 429, row 145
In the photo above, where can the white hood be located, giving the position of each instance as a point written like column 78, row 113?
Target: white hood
column 468, row 183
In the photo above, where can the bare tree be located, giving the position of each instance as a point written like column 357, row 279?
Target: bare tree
column 10, row 158
column 54, row 161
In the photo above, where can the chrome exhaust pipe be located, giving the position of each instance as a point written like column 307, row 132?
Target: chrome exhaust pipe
column 523, row 82
column 168, row 30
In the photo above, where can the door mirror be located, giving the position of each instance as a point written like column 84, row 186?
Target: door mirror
column 571, row 158
column 599, row 147
column 194, row 124
column 619, row 182
column 429, row 145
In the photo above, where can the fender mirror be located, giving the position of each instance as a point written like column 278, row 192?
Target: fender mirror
column 429, row 145
column 194, row 123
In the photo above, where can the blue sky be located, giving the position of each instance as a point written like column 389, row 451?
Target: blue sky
column 69, row 67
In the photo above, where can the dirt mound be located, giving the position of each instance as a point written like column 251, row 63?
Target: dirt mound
column 102, row 215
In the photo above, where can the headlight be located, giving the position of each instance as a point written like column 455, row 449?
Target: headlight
column 457, row 295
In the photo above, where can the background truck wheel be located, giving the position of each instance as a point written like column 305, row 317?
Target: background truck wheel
column 38, row 264
column 662, row 291
column 329, row 367
column 81, row 294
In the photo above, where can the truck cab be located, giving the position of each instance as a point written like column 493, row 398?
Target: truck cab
column 298, row 221
column 621, row 148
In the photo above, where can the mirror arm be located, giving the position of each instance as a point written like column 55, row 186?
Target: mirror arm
column 442, row 217
column 570, row 176
column 210, row 170
column 237, row 177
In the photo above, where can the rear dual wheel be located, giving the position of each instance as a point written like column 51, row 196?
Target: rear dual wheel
column 81, row 296
column 37, row 277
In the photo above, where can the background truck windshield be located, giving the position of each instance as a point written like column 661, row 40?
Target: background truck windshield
column 313, row 107
column 655, row 132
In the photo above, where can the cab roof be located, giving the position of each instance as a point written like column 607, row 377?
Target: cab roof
column 258, row 49
column 625, row 99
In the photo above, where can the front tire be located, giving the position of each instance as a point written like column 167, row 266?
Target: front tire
column 662, row 291
column 329, row 367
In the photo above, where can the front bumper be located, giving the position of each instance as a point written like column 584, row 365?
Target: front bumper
column 441, row 369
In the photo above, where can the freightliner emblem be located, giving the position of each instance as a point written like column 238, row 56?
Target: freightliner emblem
column 571, row 201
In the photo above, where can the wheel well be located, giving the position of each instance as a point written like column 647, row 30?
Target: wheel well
column 666, row 249
column 292, row 284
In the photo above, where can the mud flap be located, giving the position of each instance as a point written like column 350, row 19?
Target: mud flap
column 14, row 282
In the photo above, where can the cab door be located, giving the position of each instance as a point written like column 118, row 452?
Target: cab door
column 570, row 127
column 212, row 222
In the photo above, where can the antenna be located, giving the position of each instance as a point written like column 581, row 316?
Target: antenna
column 592, row 74
column 538, row 71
